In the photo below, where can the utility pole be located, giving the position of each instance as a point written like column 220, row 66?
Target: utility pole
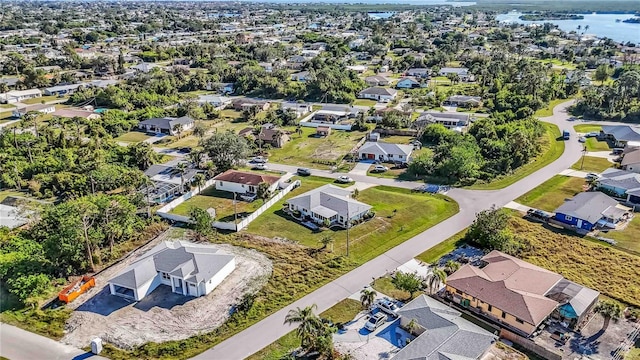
column 584, row 152
column 348, row 226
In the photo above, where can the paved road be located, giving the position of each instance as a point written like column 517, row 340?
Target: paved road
column 18, row 344
column 271, row 328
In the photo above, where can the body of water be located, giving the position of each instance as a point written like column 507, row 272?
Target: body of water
column 374, row 2
column 600, row 25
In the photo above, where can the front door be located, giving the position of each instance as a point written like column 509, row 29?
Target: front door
column 177, row 284
column 579, row 224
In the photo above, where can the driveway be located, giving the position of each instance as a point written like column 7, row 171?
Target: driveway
column 361, row 168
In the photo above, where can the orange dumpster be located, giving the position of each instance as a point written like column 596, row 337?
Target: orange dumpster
column 74, row 290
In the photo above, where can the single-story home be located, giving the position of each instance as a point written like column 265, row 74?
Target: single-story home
column 463, row 73
column 358, row 68
column 463, row 100
column 620, row 183
column 242, row 182
column 386, row 152
column 166, row 125
column 15, row 96
column 268, row 135
column 144, row 67
column 41, row 108
column 301, row 76
column 409, row 83
column 452, row 121
column 61, row 89
column 517, row 294
column 620, row 134
column 631, row 160
column 75, row 112
column 246, row 104
column 376, row 80
column 329, row 203
column 419, row 72
column 299, row 108
column 378, row 93
column 329, row 116
column 590, row 209
column 441, row 332
column 219, row 102
column 190, row 269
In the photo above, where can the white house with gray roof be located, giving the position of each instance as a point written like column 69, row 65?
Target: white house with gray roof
column 190, row 269
column 442, row 333
column 329, row 202
column 387, row 152
column 166, row 125
column 378, row 93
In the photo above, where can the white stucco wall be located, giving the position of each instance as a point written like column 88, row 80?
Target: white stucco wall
column 219, row 277
column 147, row 288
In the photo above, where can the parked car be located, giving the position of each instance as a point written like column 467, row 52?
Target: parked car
column 344, row 179
column 259, row 166
column 592, row 134
column 566, row 134
column 259, row 160
column 304, row 172
column 582, row 139
column 375, row 321
column 592, row 176
column 184, row 150
column 539, row 215
column 617, row 151
column 380, row 168
column 388, row 306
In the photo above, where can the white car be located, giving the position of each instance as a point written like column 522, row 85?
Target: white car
column 375, row 321
column 344, row 179
column 259, row 166
column 592, row 176
column 259, row 160
column 388, row 306
column 380, row 168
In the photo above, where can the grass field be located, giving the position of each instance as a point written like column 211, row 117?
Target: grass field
column 432, row 255
column 394, row 223
column 190, row 141
column 41, row 100
column 384, row 285
column 592, row 163
column 7, row 192
column 590, row 263
column 592, row 144
column 365, row 102
column 552, row 193
column 310, row 151
column 222, row 201
column 629, row 238
column 552, row 149
column 548, row 111
column 230, row 114
column 133, row 137
column 341, row 312
column 7, row 106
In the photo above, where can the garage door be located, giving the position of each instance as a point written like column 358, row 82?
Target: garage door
column 193, row 289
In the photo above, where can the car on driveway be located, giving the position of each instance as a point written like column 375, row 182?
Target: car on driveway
column 344, row 179
column 375, row 321
column 260, row 166
column 592, row 176
column 388, row 306
column 592, row 134
column 582, row 139
column 259, row 160
column 379, row 168
column 304, row 172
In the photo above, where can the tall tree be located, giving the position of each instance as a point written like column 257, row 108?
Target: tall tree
column 226, row 149
column 308, row 324
column 367, row 296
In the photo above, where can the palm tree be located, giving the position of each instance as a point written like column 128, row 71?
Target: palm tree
column 308, row 324
column 277, row 138
column 198, row 180
column 610, row 311
column 326, row 241
column 366, row 297
column 434, row 279
column 451, row 266
column 177, row 129
column 181, row 168
column 412, row 326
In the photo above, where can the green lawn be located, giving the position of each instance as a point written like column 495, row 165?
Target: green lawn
column 552, row 149
column 365, row 102
column 384, row 285
column 7, row 192
column 40, row 100
column 230, row 114
column 548, row 111
column 552, row 193
column 310, row 151
column 592, row 163
column 432, row 255
column 222, row 201
column 587, row 128
column 629, row 238
column 592, row 144
column 342, row 312
column 190, row 141
column 7, row 106
column 394, row 223
column 560, row 63
column 133, row 137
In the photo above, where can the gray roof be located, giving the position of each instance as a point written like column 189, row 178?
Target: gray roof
column 379, row 91
column 579, row 297
column 167, row 122
column 623, row 132
column 464, row 98
column 192, row 262
column 447, row 335
column 329, row 200
column 620, row 179
column 460, row 71
column 587, row 206
column 434, row 116
column 387, row 148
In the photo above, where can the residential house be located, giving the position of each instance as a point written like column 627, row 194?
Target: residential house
column 242, row 182
column 11, row 81
column 323, row 131
column 246, row 104
column 631, row 160
column 517, row 294
column 168, row 182
column 452, row 121
column 441, row 333
column 166, row 125
column 329, row 116
column 15, row 96
column 378, row 93
column 419, row 72
column 620, row 183
column 219, row 102
column 190, row 269
column 299, row 108
column 267, row 135
column 409, row 83
column 41, row 108
column 376, row 80
column 620, row 134
column 301, row 76
column 587, row 210
column 358, row 68
column 387, row 152
column 144, row 67
column 62, row 89
column 463, row 101
column 463, row 73
column 76, row 112
column 329, row 203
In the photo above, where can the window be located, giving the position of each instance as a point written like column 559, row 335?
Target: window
column 220, row 183
column 458, row 292
column 489, row 308
column 568, row 218
column 165, row 276
column 209, row 281
column 504, row 315
column 390, row 156
column 519, row 321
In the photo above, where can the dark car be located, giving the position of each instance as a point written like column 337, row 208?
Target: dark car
column 184, row 150
column 304, row 172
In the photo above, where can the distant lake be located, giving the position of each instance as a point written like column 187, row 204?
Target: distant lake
column 600, row 25
column 375, row 2
column 381, row 15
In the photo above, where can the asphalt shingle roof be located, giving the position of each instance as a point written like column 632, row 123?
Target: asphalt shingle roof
column 587, row 206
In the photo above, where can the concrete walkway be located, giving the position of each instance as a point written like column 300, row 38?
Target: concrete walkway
column 602, row 154
column 574, row 173
column 517, row 206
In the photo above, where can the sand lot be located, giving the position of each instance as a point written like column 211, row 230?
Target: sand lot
column 163, row 315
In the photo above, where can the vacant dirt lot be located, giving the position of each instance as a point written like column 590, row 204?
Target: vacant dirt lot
column 162, row 316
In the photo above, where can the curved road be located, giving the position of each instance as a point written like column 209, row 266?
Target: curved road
column 271, row 328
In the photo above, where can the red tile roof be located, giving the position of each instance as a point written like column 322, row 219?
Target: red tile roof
column 246, row 178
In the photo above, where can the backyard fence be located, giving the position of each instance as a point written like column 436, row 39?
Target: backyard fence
column 530, row 345
column 164, row 212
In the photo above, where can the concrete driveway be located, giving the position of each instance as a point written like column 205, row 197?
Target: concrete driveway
column 361, row 168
